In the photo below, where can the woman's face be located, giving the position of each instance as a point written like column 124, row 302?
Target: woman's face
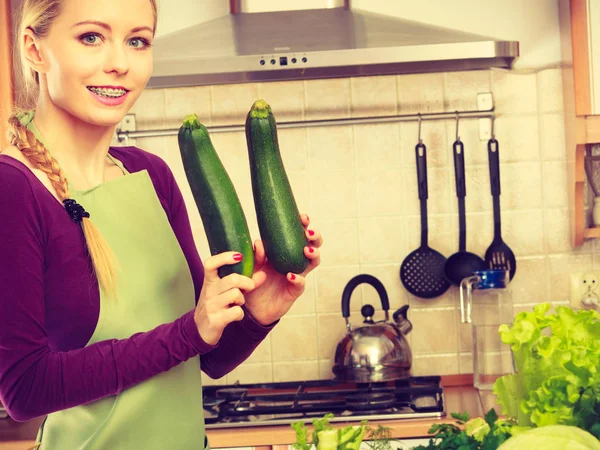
column 97, row 57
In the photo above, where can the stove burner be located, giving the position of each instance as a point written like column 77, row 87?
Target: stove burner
column 370, row 401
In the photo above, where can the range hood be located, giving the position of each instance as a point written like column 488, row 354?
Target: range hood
column 316, row 43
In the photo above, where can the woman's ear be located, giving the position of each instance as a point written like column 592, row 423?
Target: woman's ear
column 32, row 52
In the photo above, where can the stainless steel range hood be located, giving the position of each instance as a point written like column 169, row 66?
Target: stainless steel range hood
column 316, row 43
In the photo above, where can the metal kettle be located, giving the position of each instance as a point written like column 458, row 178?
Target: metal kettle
column 377, row 351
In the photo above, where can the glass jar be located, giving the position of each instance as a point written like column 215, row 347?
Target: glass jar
column 486, row 303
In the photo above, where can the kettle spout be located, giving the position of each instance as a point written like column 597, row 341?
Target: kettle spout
column 401, row 320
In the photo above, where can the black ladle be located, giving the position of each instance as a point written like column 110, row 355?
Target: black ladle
column 461, row 264
column 422, row 271
column 498, row 255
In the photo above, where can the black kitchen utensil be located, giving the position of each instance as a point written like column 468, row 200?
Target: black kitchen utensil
column 461, row 264
column 498, row 255
column 422, row 271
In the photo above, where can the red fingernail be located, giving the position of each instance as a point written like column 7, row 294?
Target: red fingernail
column 238, row 257
column 311, row 250
column 292, row 277
column 311, row 233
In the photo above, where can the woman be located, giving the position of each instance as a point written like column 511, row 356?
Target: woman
column 100, row 329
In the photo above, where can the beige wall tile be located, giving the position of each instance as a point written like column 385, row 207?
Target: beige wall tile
column 262, row 353
column 330, row 284
column 523, row 231
column 180, row 102
column 530, row 283
column 434, row 331
column 465, row 334
column 157, row 145
column 381, row 239
column 380, row 192
column 555, row 182
column 480, row 232
column 373, row 96
column 552, row 137
column 441, row 191
column 442, row 236
column 557, row 233
column 286, row 99
column 447, row 299
column 296, row 371
column 305, row 304
column 434, row 135
column 479, row 195
column 515, row 93
column 293, row 145
column 468, row 131
column 340, row 242
column 251, row 373
column 521, row 186
column 325, row 369
column 420, row 93
column 149, row 110
column 435, row 365
column 378, row 146
column 294, row 339
column 333, row 194
column 327, row 99
column 462, row 89
column 518, row 139
column 560, row 267
column 332, row 328
column 465, row 363
column 330, row 147
column 550, row 90
column 231, row 103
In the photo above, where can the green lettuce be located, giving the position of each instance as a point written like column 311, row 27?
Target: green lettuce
column 557, row 361
column 552, row 437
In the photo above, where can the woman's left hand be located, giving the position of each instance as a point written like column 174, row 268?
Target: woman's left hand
column 275, row 294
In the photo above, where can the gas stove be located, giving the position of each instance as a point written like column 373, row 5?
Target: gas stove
column 243, row 405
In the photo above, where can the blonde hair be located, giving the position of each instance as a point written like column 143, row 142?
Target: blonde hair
column 38, row 16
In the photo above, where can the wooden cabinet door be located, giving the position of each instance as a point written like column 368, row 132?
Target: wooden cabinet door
column 585, row 35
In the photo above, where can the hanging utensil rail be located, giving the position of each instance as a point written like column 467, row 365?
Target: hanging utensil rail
column 123, row 136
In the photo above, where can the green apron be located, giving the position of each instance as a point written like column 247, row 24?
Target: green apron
column 154, row 287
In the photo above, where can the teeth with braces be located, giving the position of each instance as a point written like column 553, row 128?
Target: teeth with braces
column 108, row 92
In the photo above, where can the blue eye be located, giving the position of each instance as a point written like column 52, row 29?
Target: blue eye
column 90, row 39
column 139, row 43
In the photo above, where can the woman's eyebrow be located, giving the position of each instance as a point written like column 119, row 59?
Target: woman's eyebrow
column 107, row 26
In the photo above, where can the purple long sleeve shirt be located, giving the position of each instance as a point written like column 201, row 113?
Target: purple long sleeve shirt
column 50, row 303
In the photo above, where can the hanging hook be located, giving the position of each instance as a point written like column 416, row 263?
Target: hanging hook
column 493, row 120
column 457, row 119
column 420, row 119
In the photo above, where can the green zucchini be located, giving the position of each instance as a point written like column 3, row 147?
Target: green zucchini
column 215, row 196
column 277, row 214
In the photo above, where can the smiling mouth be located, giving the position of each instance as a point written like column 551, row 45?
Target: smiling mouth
column 107, row 92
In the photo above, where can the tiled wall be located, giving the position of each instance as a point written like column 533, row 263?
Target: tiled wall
column 358, row 184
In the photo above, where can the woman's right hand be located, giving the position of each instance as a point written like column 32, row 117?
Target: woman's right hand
column 221, row 299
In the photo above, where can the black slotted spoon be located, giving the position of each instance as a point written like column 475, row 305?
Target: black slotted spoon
column 498, row 255
column 422, row 271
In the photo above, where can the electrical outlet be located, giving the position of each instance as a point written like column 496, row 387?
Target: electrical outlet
column 585, row 290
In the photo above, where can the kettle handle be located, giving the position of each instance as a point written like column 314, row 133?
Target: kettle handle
column 359, row 279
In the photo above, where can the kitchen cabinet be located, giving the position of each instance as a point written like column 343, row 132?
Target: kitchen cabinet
column 580, row 45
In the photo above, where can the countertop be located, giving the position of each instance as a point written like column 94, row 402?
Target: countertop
column 459, row 395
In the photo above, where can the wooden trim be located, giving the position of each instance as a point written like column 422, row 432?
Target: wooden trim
column 581, row 57
column 578, row 207
column 6, row 90
column 592, row 129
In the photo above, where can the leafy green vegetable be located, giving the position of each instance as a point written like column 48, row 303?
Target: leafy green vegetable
column 557, row 359
column 326, row 437
column 475, row 434
column 552, row 437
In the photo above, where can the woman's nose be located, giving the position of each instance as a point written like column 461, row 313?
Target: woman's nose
column 116, row 60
